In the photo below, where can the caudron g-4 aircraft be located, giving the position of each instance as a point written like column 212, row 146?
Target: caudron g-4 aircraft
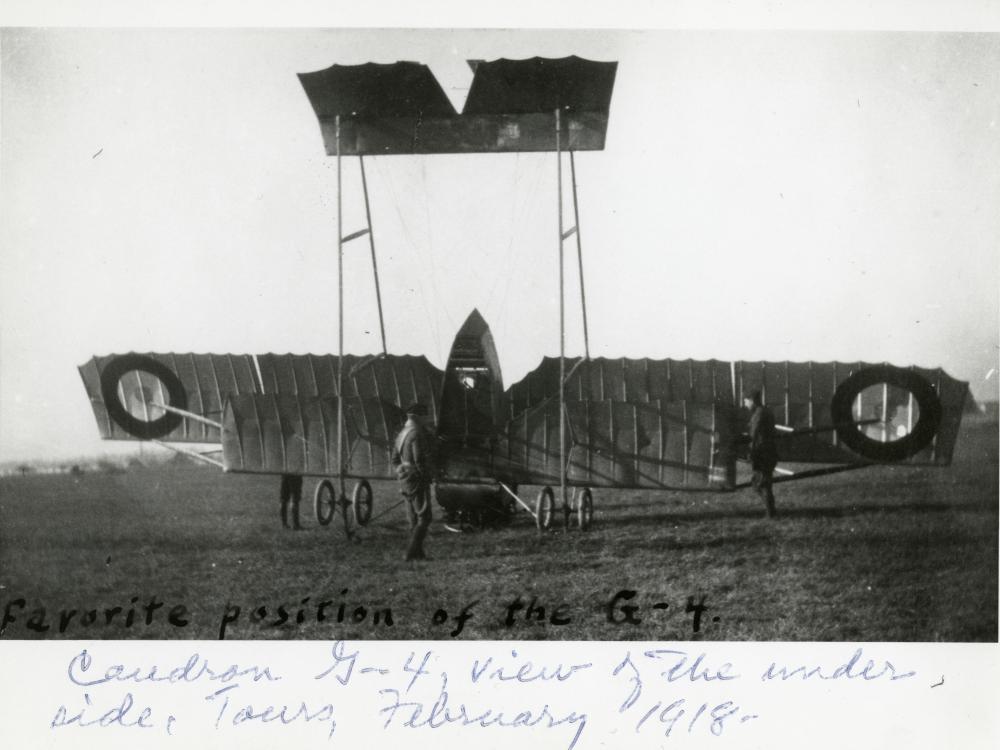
column 577, row 423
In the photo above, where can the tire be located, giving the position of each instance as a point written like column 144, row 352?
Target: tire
column 325, row 502
column 544, row 509
column 585, row 509
column 135, row 427
column 842, row 407
column 361, row 501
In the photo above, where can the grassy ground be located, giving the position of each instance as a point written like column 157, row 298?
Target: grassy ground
column 887, row 553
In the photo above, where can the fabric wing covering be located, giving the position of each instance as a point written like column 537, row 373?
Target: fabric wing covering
column 652, row 444
column 800, row 394
column 631, row 422
column 287, row 434
column 400, row 108
column 399, row 378
column 292, row 427
column 207, row 381
column 639, row 423
column 674, row 423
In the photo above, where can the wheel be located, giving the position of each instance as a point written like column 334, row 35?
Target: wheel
column 585, row 509
column 325, row 502
column 361, row 500
column 544, row 508
column 841, row 409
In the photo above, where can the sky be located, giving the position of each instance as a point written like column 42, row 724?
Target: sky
column 762, row 195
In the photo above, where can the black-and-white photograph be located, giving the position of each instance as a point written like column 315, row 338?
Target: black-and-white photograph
column 437, row 335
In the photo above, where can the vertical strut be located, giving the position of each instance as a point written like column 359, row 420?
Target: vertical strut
column 371, row 244
column 885, row 412
column 579, row 256
column 562, row 330
column 340, row 319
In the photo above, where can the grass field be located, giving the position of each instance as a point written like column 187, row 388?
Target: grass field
column 887, row 553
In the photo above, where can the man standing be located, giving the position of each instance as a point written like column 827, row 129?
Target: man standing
column 413, row 462
column 291, row 496
column 763, row 451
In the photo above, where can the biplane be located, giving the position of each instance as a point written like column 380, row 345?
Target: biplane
column 574, row 423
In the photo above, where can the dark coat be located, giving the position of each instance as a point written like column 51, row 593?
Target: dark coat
column 412, row 459
column 763, row 449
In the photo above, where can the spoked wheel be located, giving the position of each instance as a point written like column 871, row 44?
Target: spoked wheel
column 544, row 508
column 361, row 500
column 585, row 509
column 325, row 502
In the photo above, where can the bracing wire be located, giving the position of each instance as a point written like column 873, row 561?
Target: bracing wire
column 514, row 249
column 517, row 259
column 513, row 217
column 408, row 236
column 430, row 243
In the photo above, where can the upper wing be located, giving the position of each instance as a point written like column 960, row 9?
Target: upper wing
column 400, row 379
column 125, row 391
column 628, row 380
column 804, row 396
column 271, row 412
column 676, row 423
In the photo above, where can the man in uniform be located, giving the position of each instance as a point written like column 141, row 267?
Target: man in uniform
column 413, row 462
column 763, row 451
column 291, row 496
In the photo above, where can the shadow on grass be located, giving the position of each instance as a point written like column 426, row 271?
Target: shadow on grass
column 685, row 516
